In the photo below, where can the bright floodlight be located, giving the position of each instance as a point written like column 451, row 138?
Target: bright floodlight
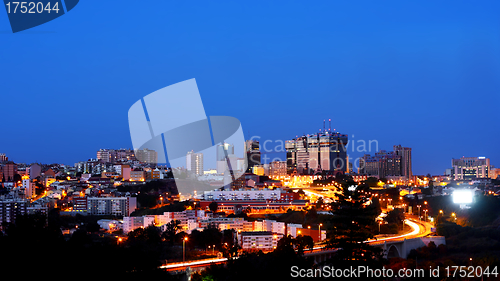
column 463, row 196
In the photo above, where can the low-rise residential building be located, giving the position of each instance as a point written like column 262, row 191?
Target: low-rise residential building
column 264, row 194
column 137, row 175
column 258, row 240
column 132, row 223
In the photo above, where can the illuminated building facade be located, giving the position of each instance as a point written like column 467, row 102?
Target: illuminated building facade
column 385, row 164
column 118, row 206
column 322, row 151
column 252, row 152
column 469, row 168
column 277, row 169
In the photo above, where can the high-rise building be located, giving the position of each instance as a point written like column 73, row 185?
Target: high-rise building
column 224, row 150
column 105, row 155
column 147, row 156
column 468, row 168
column 252, row 151
column 384, row 163
column 3, row 158
column 28, row 187
column 7, row 171
column 406, row 167
column 121, row 155
column 119, row 206
column 322, row 151
column 194, row 162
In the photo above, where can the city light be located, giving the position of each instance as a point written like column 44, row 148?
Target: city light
column 463, row 196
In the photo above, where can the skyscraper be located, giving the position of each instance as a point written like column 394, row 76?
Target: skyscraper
column 194, row 162
column 252, row 151
column 322, row 151
column 383, row 164
column 224, row 150
column 406, row 167
column 147, row 155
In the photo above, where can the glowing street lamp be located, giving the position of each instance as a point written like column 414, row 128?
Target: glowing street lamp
column 184, row 249
column 319, row 230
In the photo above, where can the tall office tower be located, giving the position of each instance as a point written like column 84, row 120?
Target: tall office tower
column 406, row 167
column 252, row 151
column 381, row 165
column 468, row 168
column 291, row 155
column 147, row 156
column 322, row 151
column 224, row 150
column 194, row 162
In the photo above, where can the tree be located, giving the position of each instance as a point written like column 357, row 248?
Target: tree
column 319, row 203
column 213, row 206
column 371, row 181
column 17, row 178
column 304, row 242
column 352, row 223
column 396, row 217
column 171, row 230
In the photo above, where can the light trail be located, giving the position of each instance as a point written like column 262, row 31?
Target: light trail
column 185, row 264
column 414, row 232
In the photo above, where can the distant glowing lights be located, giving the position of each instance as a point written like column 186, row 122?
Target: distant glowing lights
column 463, row 196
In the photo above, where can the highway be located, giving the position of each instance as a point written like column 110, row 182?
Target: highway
column 419, row 229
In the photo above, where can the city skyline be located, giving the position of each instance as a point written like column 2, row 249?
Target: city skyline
column 416, row 70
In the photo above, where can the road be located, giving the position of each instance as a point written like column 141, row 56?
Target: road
column 419, row 229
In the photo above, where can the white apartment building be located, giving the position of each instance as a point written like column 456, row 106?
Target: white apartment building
column 264, row 194
column 259, row 240
column 132, row 223
column 292, row 229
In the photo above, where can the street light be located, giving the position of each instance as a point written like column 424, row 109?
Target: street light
column 425, row 214
column 418, row 206
column 184, row 249
column 319, row 230
column 379, row 223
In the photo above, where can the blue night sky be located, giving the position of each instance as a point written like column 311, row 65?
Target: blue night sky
column 423, row 74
